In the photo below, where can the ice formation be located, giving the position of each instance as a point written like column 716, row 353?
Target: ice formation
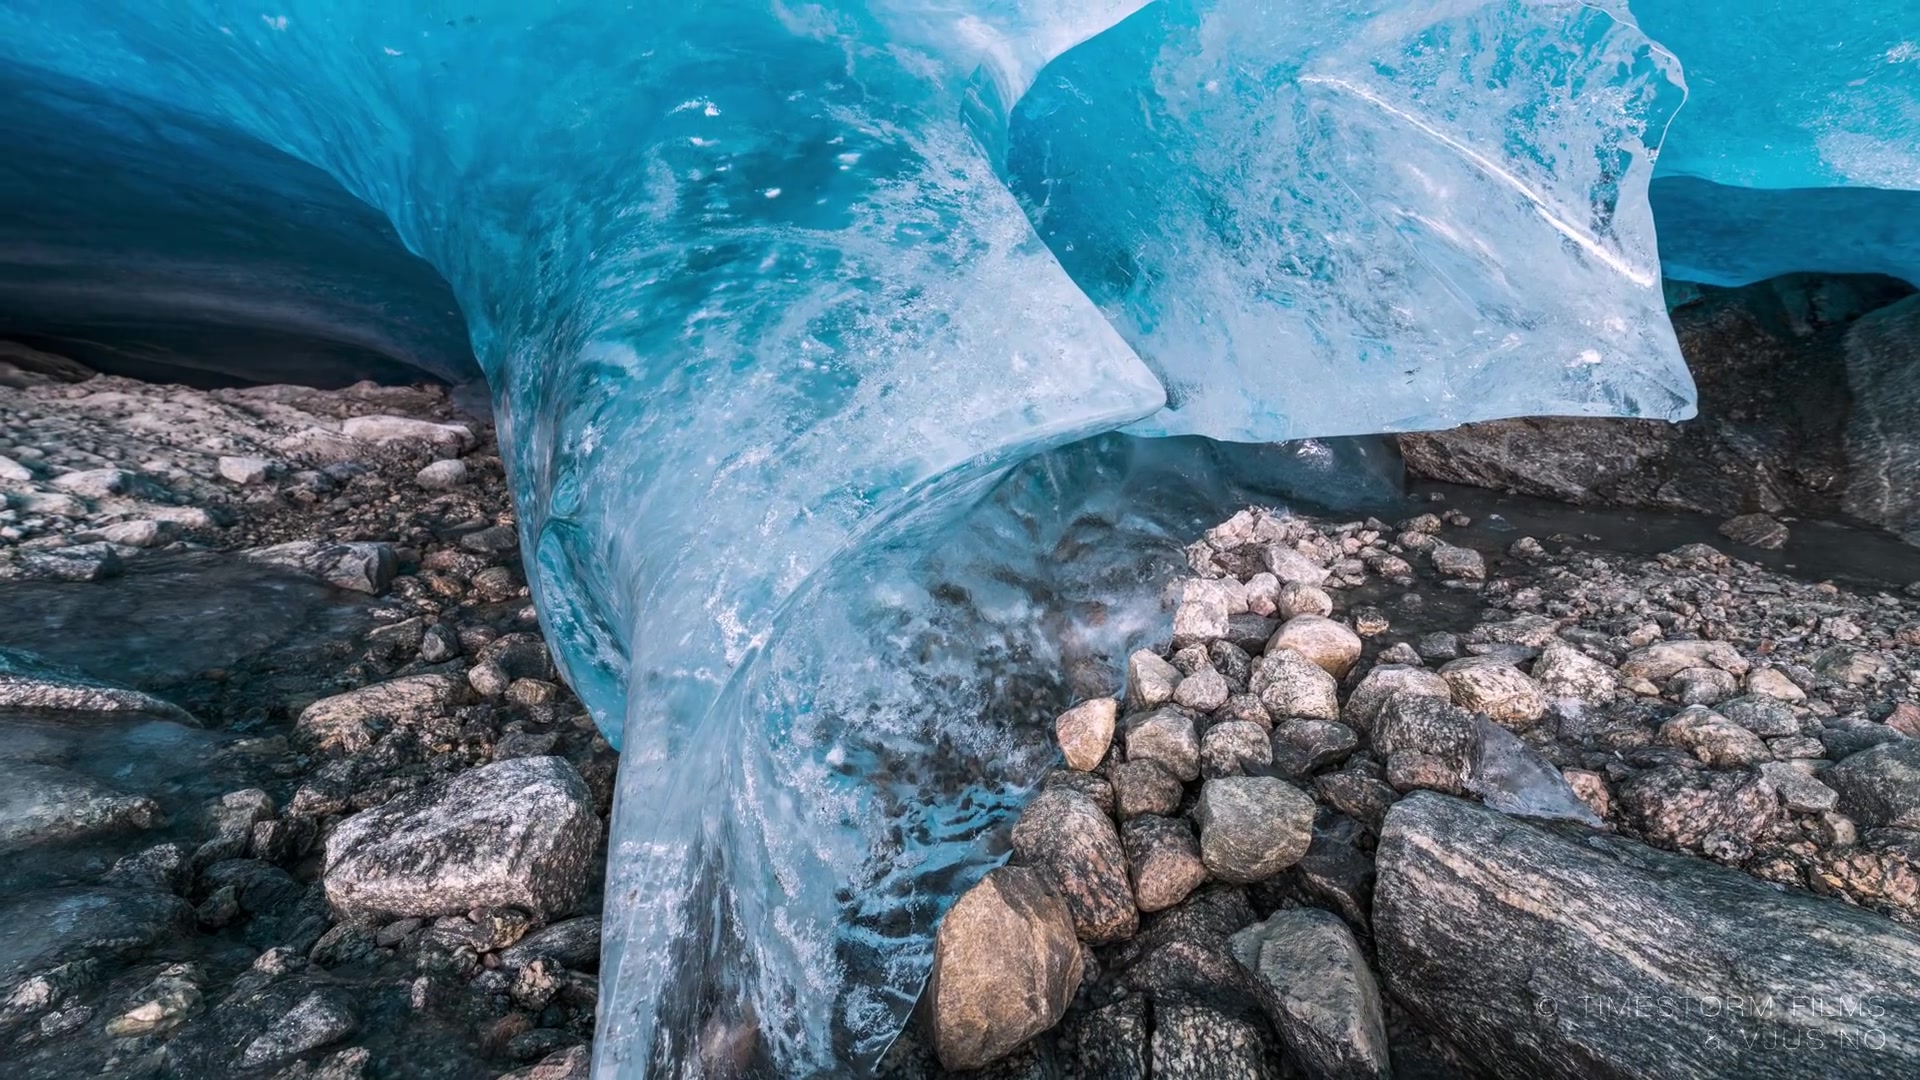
column 798, row 319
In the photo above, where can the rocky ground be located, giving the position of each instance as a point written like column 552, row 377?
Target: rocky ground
column 288, row 785
column 1390, row 801
column 289, row 788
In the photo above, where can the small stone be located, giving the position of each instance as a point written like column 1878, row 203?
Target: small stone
column 1381, row 684
column 1319, row 992
column 1327, row 643
column 245, row 471
column 1774, row 683
column 77, row 563
column 1411, row 770
column 1085, row 731
column 1199, row 621
column 488, row 679
column 1797, row 747
column 1263, row 594
column 1066, row 833
column 1005, row 967
column 1591, row 788
column 1303, row 747
column 1702, row 686
column 1766, row 717
column 530, row 691
column 359, row 566
column 1203, row 691
column 1755, row 530
column 1427, row 725
column 1150, row 680
column 517, row 833
column 1166, row 736
column 1880, row 787
column 169, row 1001
column 1565, row 672
column 1798, row 788
column 1297, row 599
column 1290, row 685
column 1252, row 827
column 446, row 439
column 1458, row 563
column 1660, row 662
column 1163, row 861
column 1232, row 747
column 348, row 720
column 143, row 533
column 320, row 1018
column 1714, row 739
column 442, row 475
column 95, row 483
column 1143, row 787
column 1357, row 795
column 1371, row 622
column 1487, row 684
column 1292, row 568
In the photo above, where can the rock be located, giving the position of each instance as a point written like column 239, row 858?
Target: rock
column 1193, row 1042
column 1358, row 795
column 1150, row 680
column 96, row 483
column 29, row 682
column 1301, row 748
column 171, row 999
column 1714, row 739
column 442, row 475
column 438, row 644
column 245, row 470
column 1297, row 598
column 141, row 533
column 1006, row 965
column 45, row 804
column 1293, row 568
column 571, row 1063
column 351, row 721
column 1487, row 684
column 1590, row 788
column 515, row 833
column 1199, row 620
column 1799, row 790
column 1411, row 770
column 1426, row 725
column 1660, row 662
column 1262, row 592
column 1687, row 808
column 571, row 943
column 1112, row 1041
column 1252, row 827
column 1329, row 644
column 1319, row 993
column 1203, row 691
column 1458, row 563
column 1143, row 787
column 1382, row 683
column 1233, row 747
column 1764, row 716
column 1517, row 945
column 1849, row 666
column 78, row 563
column 1755, row 530
column 1085, row 731
column 1774, row 683
column 1064, row 832
column 446, row 439
column 1290, row 685
column 1165, row 736
column 1163, row 861
column 1702, row 686
column 492, row 540
column 1879, row 438
column 18, row 473
column 1880, row 787
column 489, row 680
column 1565, row 672
column 321, row 1017
column 358, row 566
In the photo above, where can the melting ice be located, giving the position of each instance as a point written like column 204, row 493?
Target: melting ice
column 797, row 318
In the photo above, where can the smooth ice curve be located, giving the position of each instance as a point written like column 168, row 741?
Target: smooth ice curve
column 797, row 318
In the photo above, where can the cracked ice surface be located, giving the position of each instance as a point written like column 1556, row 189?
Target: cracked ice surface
column 794, row 313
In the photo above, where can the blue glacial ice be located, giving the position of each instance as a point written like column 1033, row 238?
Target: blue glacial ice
column 846, row 356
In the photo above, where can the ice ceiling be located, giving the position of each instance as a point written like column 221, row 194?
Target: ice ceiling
column 800, row 319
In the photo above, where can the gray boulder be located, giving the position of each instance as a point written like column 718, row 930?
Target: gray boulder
column 515, row 833
column 44, row 804
column 1880, row 787
column 360, row 566
column 1320, row 994
column 1540, row 953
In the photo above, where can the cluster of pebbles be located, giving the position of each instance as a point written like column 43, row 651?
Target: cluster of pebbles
column 404, row 876
column 1193, row 893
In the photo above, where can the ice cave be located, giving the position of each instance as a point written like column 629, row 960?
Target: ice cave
column 863, row 376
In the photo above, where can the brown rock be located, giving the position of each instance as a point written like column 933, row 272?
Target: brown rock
column 1085, row 731
column 1005, row 967
column 1332, row 645
column 1067, row 834
column 1163, row 859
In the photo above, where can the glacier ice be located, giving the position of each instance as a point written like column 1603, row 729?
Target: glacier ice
column 810, row 328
